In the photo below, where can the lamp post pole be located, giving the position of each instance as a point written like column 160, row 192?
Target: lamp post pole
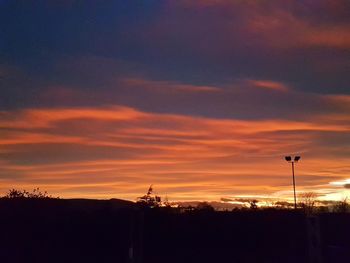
column 292, row 161
column 295, row 197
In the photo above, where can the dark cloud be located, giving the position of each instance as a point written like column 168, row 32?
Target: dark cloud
column 94, row 81
column 210, row 43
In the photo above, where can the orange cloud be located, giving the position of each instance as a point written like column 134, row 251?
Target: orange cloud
column 118, row 151
column 43, row 118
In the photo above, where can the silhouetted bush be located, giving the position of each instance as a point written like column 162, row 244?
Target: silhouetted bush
column 22, row 194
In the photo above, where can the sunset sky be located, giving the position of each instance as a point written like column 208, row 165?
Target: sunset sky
column 202, row 99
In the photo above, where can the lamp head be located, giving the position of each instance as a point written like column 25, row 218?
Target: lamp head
column 288, row 158
column 296, row 158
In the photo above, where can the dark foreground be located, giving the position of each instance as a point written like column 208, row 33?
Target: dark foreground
column 116, row 231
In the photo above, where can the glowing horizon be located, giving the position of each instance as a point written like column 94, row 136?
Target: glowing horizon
column 69, row 152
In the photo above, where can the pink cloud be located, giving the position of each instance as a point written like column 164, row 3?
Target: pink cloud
column 168, row 86
column 337, row 37
column 268, row 84
column 273, row 24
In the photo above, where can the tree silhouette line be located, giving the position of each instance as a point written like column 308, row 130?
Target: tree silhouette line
column 24, row 194
column 308, row 202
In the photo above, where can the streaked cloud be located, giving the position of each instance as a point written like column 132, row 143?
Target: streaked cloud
column 71, row 149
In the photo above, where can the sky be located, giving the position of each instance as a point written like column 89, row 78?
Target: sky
column 202, row 99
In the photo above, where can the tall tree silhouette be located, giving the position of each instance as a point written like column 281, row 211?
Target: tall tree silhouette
column 150, row 199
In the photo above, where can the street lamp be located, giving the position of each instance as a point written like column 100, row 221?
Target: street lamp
column 292, row 161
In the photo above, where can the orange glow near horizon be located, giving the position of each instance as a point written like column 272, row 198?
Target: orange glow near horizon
column 117, row 152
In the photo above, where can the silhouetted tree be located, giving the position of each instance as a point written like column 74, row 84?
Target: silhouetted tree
column 205, row 206
column 149, row 199
column 308, row 201
column 322, row 209
column 341, row 206
column 253, row 204
column 166, row 202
